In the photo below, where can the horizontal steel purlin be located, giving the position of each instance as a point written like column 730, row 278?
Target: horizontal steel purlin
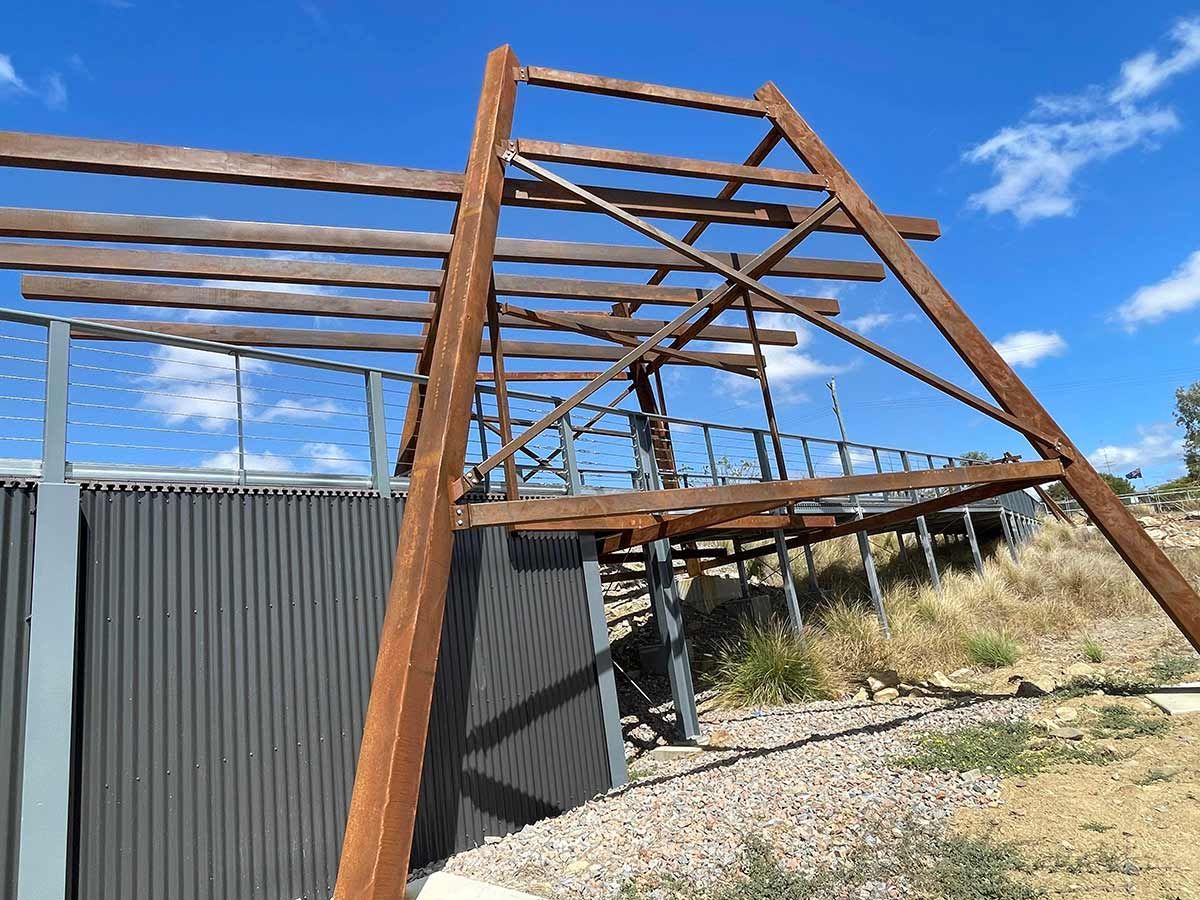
column 568, row 508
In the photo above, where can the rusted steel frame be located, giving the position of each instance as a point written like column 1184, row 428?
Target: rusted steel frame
column 768, row 403
column 54, row 258
column 250, row 335
column 606, row 334
column 547, row 376
column 626, row 160
column 66, row 154
column 511, row 481
column 681, row 552
column 379, row 827
column 490, row 423
column 683, row 525
column 632, row 521
column 1051, row 504
column 781, row 492
column 1140, row 552
column 186, row 296
column 718, row 298
column 887, row 520
column 638, row 90
column 70, row 225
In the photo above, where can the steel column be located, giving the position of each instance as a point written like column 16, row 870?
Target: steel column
column 1008, row 534
column 379, row 827
column 54, row 426
column 781, row 549
column 864, row 549
column 609, row 709
column 381, row 465
column 46, row 777
column 970, row 526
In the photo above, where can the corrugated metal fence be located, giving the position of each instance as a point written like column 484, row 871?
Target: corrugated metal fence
column 228, row 641
column 16, row 577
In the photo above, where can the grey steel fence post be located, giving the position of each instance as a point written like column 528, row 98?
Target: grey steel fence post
column 664, row 597
column 808, row 554
column 743, row 579
column 610, row 711
column 54, row 424
column 381, row 470
column 781, row 550
column 570, row 463
column 712, row 457
column 241, row 418
column 481, row 428
column 1008, row 535
column 923, row 537
column 970, row 526
column 864, row 548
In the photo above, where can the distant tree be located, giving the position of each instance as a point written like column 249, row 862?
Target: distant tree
column 1118, row 484
column 977, row 456
column 1187, row 417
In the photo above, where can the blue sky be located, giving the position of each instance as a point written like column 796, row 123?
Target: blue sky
column 1057, row 144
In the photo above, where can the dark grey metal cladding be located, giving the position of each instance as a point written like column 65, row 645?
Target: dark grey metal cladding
column 17, row 504
column 229, row 642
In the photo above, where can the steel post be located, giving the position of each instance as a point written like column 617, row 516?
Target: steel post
column 1008, row 534
column 54, row 423
column 970, row 527
column 614, row 739
column 381, row 465
column 864, row 548
column 785, row 562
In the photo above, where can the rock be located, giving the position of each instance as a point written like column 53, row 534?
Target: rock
column 1065, row 733
column 1080, row 670
column 971, row 776
column 887, row 678
column 938, row 679
column 861, row 695
column 1038, row 686
column 1129, row 867
column 885, row 695
column 1066, row 714
column 961, row 674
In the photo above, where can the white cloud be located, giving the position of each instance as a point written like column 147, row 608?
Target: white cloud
column 869, row 321
column 1178, row 292
column 53, row 90
column 1156, row 443
column 186, row 385
column 1028, row 348
column 311, row 457
column 1035, row 162
column 786, row 366
column 1147, row 72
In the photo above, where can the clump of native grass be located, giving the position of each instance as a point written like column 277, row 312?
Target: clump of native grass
column 769, row 664
column 1065, row 578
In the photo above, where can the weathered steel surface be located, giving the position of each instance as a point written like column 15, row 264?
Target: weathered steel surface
column 379, row 827
column 229, row 640
column 639, row 90
column 1144, row 556
column 17, row 504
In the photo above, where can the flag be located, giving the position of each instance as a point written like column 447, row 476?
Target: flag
column 1136, row 473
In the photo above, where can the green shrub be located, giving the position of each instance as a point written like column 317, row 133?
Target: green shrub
column 1092, row 651
column 1003, row 748
column 1169, row 669
column 1117, row 721
column 771, row 665
column 992, row 649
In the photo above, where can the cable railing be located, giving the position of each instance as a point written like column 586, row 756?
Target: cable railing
column 101, row 402
column 1148, row 502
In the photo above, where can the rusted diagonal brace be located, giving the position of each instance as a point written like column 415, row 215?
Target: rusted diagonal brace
column 542, row 462
column 751, row 283
column 682, row 525
column 570, row 323
column 1055, row 509
column 720, row 296
column 469, row 515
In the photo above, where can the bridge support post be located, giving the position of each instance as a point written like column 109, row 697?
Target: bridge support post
column 970, row 526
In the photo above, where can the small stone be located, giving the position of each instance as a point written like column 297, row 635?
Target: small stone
column 961, row 674
column 1080, row 670
column 885, row 695
column 1064, row 733
column 1038, row 686
column 971, row 776
column 887, row 678
column 492, row 839
column 1129, row 867
column 1066, row 714
column 861, row 695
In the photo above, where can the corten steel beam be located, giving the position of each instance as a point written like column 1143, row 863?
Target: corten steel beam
column 573, row 154
column 1051, row 504
column 54, row 258
column 716, row 299
column 379, row 827
column 1140, row 552
column 184, row 296
column 597, row 330
column 67, row 225
column 36, row 151
column 751, row 283
column 632, row 521
column 511, row 481
column 683, row 525
column 638, row 90
column 546, row 376
column 781, row 492
column 250, row 335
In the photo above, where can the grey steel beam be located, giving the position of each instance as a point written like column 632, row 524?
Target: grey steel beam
column 381, row 464
column 46, row 774
column 781, row 550
column 54, row 426
column 610, row 711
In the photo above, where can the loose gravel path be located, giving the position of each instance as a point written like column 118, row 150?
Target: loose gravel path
column 813, row 779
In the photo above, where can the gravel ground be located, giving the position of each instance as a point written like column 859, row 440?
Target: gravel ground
column 812, row 779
